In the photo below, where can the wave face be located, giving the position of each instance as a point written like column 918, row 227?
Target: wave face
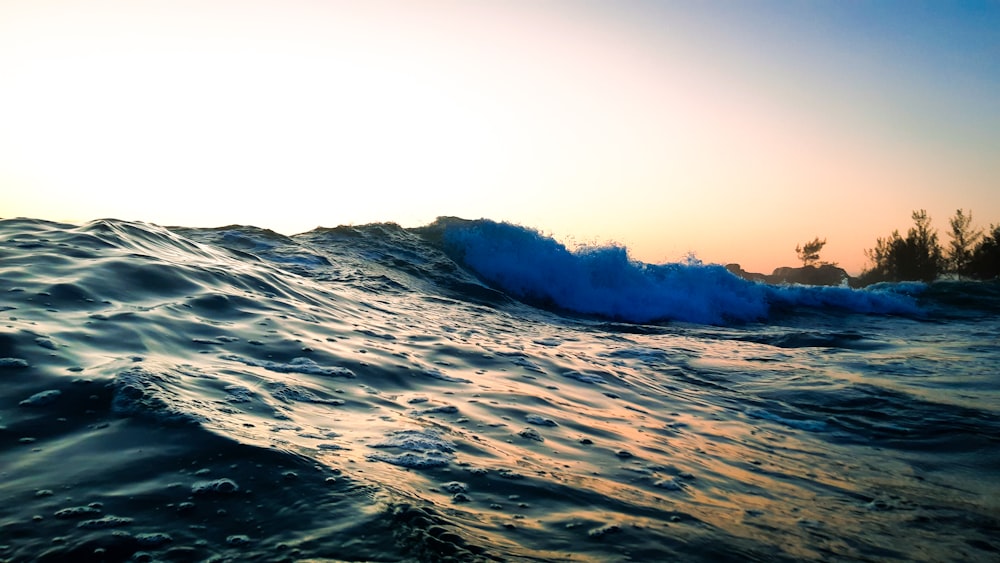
column 603, row 281
column 475, row 391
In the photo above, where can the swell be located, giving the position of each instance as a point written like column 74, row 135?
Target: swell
column 489, row 263
column 867, row 414
column 105, row 472
column 604, row 281
column 183, row 396
column 341, row 394
column 377, row 258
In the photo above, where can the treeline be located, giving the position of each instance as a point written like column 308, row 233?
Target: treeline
column 919, row 256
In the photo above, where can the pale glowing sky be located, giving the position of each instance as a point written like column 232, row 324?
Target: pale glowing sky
column 732, row 129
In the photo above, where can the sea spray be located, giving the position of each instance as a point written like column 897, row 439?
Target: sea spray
column 604, row 281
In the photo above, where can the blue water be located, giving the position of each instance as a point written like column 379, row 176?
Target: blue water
column 475, row 391
column 604, row 281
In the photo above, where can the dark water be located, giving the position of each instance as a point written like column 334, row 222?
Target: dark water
column 473, row 391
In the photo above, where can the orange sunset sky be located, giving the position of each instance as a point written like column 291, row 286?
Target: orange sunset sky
column 735, row 130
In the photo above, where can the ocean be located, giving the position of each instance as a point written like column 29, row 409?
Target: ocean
column 475, row 391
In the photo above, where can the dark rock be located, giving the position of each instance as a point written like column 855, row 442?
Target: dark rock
column 738, row 270
column 827, row 274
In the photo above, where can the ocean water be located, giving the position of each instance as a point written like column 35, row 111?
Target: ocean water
column 474, row 391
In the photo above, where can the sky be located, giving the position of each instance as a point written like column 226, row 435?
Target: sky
column 732, row 130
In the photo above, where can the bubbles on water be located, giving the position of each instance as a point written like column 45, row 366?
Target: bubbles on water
column 103, row 522
column 223, row 486
column 518, row 359
column 238, row 394
column 288, row 393
column 238, row 540
column 879, row 505
column 540, row 420
column 647, row 355
column 76, row 512
column 441, row 409
column 673, row 484
column 415, row 440
column 41, row 398
column 414, row 460
column 572, row 374
column 531, row 434
column 296, row 365
column 435, row 373
column 140, row 392
column 454, row 487
column 603, row 531
column 419, row 449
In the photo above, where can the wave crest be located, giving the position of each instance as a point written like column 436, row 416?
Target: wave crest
column 604, row 281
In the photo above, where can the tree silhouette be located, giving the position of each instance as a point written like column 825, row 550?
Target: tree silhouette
column 809, row 252
column 963, row 240
column 924, row 260
column 985, row 261
column 917, row 257
column 880, row 257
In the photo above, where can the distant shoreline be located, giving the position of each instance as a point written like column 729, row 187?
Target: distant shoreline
column 826, row 274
